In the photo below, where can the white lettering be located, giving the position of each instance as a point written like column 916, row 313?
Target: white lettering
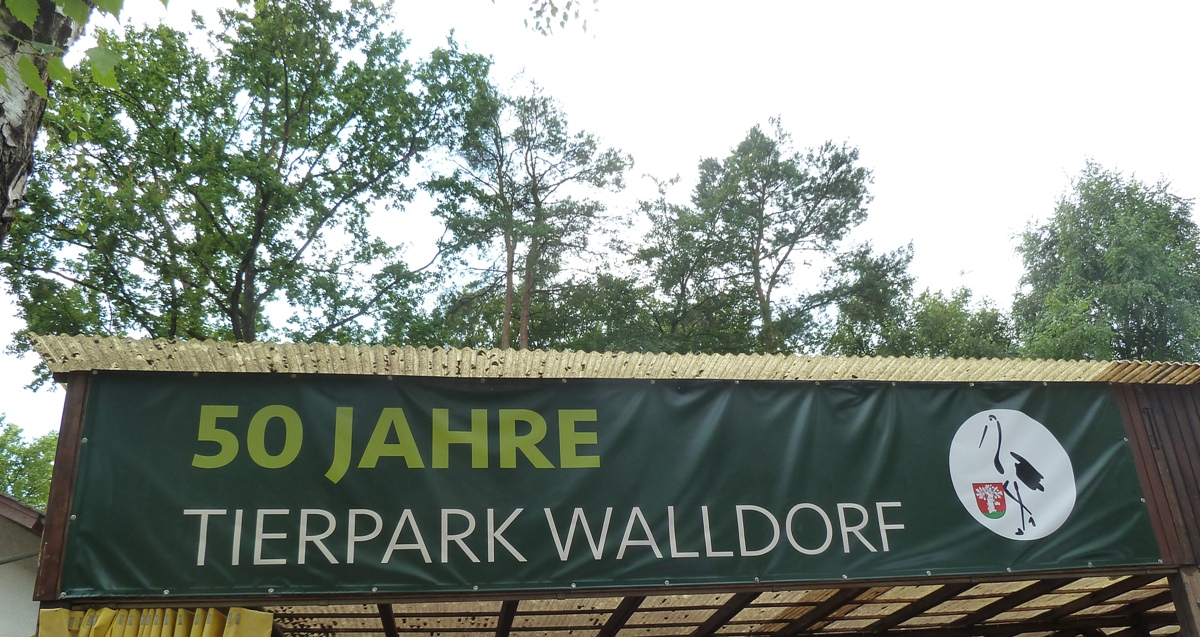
column 564, row 548
column 457, row 538
column 352, row 535
column 636, row 514
column 260, row 536
column 202, row 545
column 495, row 535
column 824, row 518
column 741, row 524
column 306, row 538
column 856, row 529
column 407, row 518
column 675, row 552
column 708, row 544
column 884, row 527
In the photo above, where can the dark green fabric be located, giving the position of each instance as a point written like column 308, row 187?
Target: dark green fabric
column 665, row 449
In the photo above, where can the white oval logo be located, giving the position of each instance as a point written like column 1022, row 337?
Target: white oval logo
column 1011, row 474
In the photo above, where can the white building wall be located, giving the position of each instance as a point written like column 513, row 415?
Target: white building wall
column 18, row 611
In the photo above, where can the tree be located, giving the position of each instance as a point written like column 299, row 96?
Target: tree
column 776, row 207
column 203, row 190
column 1114, row 273
column 514, row 198
column 695, row 303
column 36, row 34
column 25, row 467
column 956, row 327
column 871, row 294
column 30, row 40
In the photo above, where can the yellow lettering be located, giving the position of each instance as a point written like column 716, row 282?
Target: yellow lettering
column 510, row 442
column 209, row 432
column 392, row 419
column 256, row 436
column 569, row 439
column 443, row 437
column 343, row 428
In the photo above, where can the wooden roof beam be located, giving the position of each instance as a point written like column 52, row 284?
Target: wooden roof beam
column 1130, row 583
column 820, row 612
column 722, row 615
column 388, row 618
column 508, row 612
column 620, row 616
column 1074, row 626
column 1011, row 601
column 943, row 594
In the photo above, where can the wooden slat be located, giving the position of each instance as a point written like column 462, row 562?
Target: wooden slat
column 943, row 594
column 1144, row 605
column 1011, row 601
column 620, row 615
column 1152, row 417
column 1189, row 414
column 1185, row 591
column 722, row 615
column 62, row 486
column 1091, row 599
column 1008, row 629
column 1149, row 474
column 1186, row 453
column 820, row 612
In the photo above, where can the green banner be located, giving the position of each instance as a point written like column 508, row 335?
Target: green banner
column 236, row 485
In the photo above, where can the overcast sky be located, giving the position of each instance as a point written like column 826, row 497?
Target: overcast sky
column 974, row 117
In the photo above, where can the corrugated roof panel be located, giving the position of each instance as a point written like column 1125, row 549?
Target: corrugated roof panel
column 64, row 354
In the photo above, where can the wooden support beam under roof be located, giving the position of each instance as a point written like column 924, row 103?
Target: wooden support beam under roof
column 943, row 594
column 1131, row 583
column 722, row 615
column 1011, row 601
column 623, row 612
column 388, row 618
column 508, row 612
column 820, row 611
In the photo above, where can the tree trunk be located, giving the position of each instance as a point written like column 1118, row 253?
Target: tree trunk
column 531, row 263
column 510, row 250
column 20, row 108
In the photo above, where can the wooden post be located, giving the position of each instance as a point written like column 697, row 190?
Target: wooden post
column 1185, row 590
column 62, row 486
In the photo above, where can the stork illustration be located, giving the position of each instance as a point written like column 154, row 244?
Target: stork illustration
column 1023, row 470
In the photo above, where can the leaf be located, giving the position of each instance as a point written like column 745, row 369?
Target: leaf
column 59, row 72
column 77, row 10
column 104, row 66
column 24, row 10
column 111, row 7
column 3, row 78
column 31, row 76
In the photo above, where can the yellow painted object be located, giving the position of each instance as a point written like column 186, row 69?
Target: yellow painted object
column 214, row 623
column 244, row 622
column 154, row 622
column 132, row 621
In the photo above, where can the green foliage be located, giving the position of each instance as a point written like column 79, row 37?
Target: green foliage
column 204, row 189
column 24, row 10
column 25, row 467
column 871, row 294
column 1115, row 273
column 774, row 207
column 37, row 49
column 519, row 199
column 931, row 325
column 696, row 301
